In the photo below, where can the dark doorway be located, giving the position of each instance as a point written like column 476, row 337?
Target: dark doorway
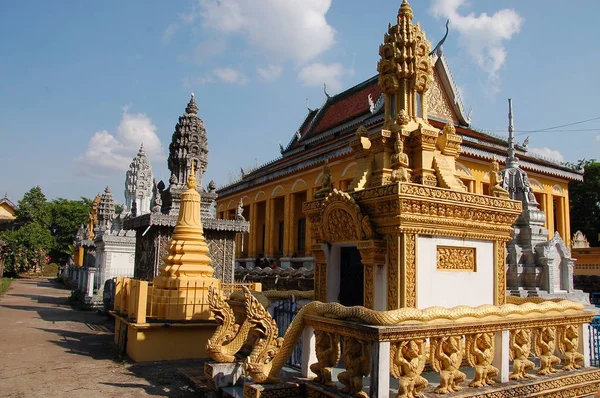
column 351, row 277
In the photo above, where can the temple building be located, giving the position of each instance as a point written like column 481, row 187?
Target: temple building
column 272, row 195
column 413, row 225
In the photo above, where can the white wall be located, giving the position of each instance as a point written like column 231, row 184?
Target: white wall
column 452, row 288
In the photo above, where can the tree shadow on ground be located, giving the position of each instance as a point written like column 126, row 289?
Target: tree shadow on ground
column 164, row 377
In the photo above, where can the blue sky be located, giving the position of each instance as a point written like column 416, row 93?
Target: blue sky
column 84, row 83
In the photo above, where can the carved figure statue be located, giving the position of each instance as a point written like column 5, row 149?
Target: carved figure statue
column 568, row 341
column 356, row 363
column 239, row 211
column 326, row 184
column 496, row 181
column 446, row 357
column 134, row 209
column 156, row 192
column 480, row 353
column 399, row 162
column 545, row 344
column 403, row 117
column 407, row 363
column 362, row 131
column 327, row 346
column 520, row 347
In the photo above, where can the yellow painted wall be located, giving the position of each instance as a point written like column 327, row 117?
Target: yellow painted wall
column 7, row 211
column 587, row 261
column 161, row 343
column 474, row 173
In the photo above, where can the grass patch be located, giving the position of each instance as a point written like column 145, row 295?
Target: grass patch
column 4, row 284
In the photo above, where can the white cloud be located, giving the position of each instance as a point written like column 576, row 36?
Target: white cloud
column 169, row 32
column 282, row 30
column 270, row 73
column 230, row 75
column 107, row 153
column 317, row 73
column 227, row 75
column 548, row 153
column 482, row 36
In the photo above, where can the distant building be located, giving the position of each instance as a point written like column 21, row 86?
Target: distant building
column 8, row 216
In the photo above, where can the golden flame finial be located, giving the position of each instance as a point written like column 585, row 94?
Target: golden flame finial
column 191, row 181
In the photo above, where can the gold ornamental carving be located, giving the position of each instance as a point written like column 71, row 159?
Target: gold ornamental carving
column 407, row 361
column 479, row 350
column 437, row 103
column 500, row 261
column 568, row 341
column 327, row 346
column 544, row 346
column 410, row 270
column 357, row 358
column 451, row 258
column 392, row 273
column 446, row 357
column 369, row 286
column 519, row 350
column 342, row 219
column 267, row 344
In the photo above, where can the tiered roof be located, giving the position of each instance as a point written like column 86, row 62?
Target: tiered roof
column 326, row 132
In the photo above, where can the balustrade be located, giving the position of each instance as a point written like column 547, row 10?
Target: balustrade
column 530, row 344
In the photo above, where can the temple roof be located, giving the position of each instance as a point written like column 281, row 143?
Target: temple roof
column 327, row 131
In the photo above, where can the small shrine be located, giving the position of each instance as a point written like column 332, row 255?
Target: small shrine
column 178, row 296
column 138, row 185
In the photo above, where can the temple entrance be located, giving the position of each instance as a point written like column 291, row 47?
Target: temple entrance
column 351, row 277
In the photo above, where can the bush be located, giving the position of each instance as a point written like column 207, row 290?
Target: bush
column 50, row 269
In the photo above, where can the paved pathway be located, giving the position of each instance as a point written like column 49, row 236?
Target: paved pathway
column 48, row 349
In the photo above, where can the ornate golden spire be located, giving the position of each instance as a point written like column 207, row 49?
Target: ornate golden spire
column 405, row 68
column 187, row 256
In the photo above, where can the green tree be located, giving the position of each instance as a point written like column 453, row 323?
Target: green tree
column 26, row 247
column 585, row 201
column 66, row 218
column 33, row 207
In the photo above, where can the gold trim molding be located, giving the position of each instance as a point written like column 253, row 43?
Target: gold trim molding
column 453, row 258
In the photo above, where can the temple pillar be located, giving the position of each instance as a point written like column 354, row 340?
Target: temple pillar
column 499, row 272
column 286, row 224
column 408, row 271
column 91, row 272
column 501, row 359
column 380, row 370
column 393, row 272
column 372, row 253
column 309, row 352
column 584, row 343
column 269, row 228
column 290, row 224
column 252, row 241
column 309, row 197
column 318, row 250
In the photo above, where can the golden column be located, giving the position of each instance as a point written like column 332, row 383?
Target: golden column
column 180, row 290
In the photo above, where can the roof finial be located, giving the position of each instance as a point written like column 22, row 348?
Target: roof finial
column 325, row 91
column 141, row 151
column 192, row 108
column 511, row 160
column 438, row 47
column 405, row 9
column 191, row 181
